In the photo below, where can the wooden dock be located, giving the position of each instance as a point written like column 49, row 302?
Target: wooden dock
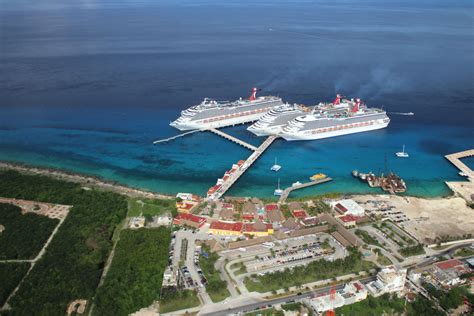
column 455, row 159
column 232, row 139
column 250, row 160
column 287, row 191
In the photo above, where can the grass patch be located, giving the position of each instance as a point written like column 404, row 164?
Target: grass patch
column 240, row 266
column 314, row 271
column 412, row 250
column 24, row 235
column 151, row 207
column 216, row 287
column 135, row 276
column 383, row 260
column 11, row 274
column 367, row 238
column 464, row 252
column 175, row 301
column 266, row 312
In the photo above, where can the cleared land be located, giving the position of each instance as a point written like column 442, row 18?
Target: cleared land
column 134, row 279
column 430, row 218
column 10, row 275
column 24, row 235
column 151, row 207
column 176, row 301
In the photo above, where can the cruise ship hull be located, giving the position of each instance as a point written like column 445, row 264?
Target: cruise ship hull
column 192, row 125
column 273, row 130
column 338, row 131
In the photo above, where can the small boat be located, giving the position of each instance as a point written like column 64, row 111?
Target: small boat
column 463, row 174
column 278, row 191
column 317, row 176
column 297, row 183
column 275, row 167
column 403, row 153
column 355, row 173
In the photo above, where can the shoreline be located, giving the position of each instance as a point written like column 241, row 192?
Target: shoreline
column 98, row 182
column 84, row 180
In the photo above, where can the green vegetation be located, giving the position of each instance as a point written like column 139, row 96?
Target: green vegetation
column 240, row 266
column 286, row 211
column 177, row 300
column 11, row 274
column 72, row 265
column 151, row 207
column 464, row 252
column 452, row 298
column 383, row 260
column 389, row 305
column 135, row 276
column 412, row 250
column 367, row 238
column 266, row 312
column 316, row 270
column 292, row 307
column 24, row 235
column 216, row 287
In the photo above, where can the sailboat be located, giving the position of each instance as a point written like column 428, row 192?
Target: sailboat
column 278, row 191
column 402, row 154
column 275, row 167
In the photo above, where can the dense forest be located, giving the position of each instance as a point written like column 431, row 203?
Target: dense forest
column 73, row 262
column 24, row 235
column 135, row 276
column 10, row 275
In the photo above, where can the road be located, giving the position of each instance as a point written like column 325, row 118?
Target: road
column 254, row 306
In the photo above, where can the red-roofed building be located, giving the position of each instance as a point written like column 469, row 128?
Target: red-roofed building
column 340, row 208
column 258, row 229
column 348, row 220
column 448, row 273
column 299, row 214
column 271, row 207
column 449, row 264
column 189, row 220
column 185, row 207
column 213, row 190
column 240, row 163
column 226, row 228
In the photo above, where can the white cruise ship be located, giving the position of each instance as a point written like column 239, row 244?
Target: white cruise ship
column 342, row 117
column 273, row 122
column 214, row 114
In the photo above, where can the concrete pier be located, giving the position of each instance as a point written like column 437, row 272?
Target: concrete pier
column 455, row 160
column 176, row 136
column 287, row 191
column 232, row 139
column 250, row 160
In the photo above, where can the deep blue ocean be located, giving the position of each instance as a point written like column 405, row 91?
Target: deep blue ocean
column 87, row 86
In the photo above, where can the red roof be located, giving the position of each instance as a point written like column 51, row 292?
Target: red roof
column 250, row 227
column 271, row 207
column 300, row 214
column 227, row 206
column 213, row 189
column 240, row 163
column 341, row 208
column 349, row 218
column 235, row 227
column 449, row 264
column 248, row 216
column 186, row 206
column 189, row 217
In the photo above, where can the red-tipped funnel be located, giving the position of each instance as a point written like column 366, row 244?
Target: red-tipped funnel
column 337, row 100
column 356, row 106
column 253, row 96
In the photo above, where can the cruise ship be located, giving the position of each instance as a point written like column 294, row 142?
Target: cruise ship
column 273, row 122
column 215, row 114
column 341, row 117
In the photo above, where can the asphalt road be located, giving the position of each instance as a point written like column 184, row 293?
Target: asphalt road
column 254, row 306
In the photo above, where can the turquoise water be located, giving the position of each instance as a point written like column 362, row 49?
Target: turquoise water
column 80, row 92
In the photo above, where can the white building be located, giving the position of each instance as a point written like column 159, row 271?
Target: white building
column 185, row 196
column 388, row 280
column 348, row 207
column 352, row 292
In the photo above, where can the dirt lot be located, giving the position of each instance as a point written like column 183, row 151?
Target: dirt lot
column 429, row 218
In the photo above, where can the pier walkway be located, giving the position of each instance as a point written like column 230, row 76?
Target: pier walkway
column 176, row 136
column 232, row 139
column 287, row 191
column 455, row 160
column 250, row 160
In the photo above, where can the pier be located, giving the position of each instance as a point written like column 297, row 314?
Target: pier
column 455, row 159
column 250, row 160
column 233, row 139
column 287, row 191
column 176, row 136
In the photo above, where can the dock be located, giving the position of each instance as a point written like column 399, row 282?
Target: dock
column 287, row 191
column 233, row 139
column 176, row 136
column 250, row 160
column 455, row 159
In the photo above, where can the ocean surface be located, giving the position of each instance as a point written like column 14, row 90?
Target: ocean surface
column 87, row 86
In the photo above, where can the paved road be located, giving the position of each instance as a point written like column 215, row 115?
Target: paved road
column 253, row 306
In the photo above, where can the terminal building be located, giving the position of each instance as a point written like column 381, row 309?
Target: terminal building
column 352, row 292
column 388, row 280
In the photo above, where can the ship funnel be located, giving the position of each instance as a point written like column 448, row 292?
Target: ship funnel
column 337, row 100
column 253, row 96
column 357, row 105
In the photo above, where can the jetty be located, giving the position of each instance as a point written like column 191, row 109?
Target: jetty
column 232, row 139
column 176, row 136
column 455, row 159
column 246, row 165
column 287, row 191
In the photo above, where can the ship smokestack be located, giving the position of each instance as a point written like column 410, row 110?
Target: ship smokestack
column 253, row 96
column 356, row 106
column 337, row 100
